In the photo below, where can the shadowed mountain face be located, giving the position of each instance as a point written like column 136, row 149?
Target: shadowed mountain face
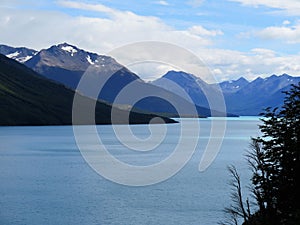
column 26, row 98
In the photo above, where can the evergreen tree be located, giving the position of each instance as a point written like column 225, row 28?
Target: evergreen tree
column 275, row 162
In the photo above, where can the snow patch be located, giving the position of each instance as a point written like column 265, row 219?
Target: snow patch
column 24, row 59
column 88, row 58
column 69, row 49
column 12, row 55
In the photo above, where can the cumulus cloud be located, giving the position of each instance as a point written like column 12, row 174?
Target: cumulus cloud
column 228, row 64
column 39, row 29
column 114, row 28
column 201, row 31
column 289, row 34
column 263, row 52
column 225, row 64
column 291, row 7
column 90, row 7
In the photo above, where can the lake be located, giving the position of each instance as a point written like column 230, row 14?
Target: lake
column 45, row 180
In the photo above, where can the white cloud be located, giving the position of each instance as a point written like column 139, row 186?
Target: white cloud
column 263, row 52
column 90, row 7
column 164, row 3
column 41, row 29
column 201, row 31
column 228, row 64
column 289, row 34
column 291, row 7
column 151, row 70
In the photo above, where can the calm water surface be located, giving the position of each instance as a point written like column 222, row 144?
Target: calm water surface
column 45, row 180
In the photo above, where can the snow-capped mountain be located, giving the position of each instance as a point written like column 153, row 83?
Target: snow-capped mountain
column 67, row 64
column 26, row 98
column 67, row 57
column 21, row 54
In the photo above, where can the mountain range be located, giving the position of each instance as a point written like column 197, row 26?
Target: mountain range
column 66, row 64
column 27, row 98
column 21, row 54
column 241, row 96
column 258, row 94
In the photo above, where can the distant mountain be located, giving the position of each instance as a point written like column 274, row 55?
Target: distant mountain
column 259, row 94
column 198, row 90
column 20, row 54
column 26, row 98
column 191, row 84
column 233, row 85
column 66, row 64
column 241, row 96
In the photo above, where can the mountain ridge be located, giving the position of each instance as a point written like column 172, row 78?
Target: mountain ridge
column 66, row 64
column 242, row 97
column 21, row 54
column 28, row 99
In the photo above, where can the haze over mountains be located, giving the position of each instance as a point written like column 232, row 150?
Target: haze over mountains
column 67, row 64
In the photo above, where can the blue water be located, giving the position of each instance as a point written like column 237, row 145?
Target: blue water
column 45, row 180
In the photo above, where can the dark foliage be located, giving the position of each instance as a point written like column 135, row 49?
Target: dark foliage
column 274, row 160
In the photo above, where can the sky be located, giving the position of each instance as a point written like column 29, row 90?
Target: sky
column 233, row 38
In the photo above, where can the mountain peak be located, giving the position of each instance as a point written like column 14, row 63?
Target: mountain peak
column 180, row 75
column 66, row 63
column 21, row 54
column 273, row 76
column 258, row 79
column 66, row 44
column 242, row 79
column 233, row 86
column 285, row 75
column 68, row 48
